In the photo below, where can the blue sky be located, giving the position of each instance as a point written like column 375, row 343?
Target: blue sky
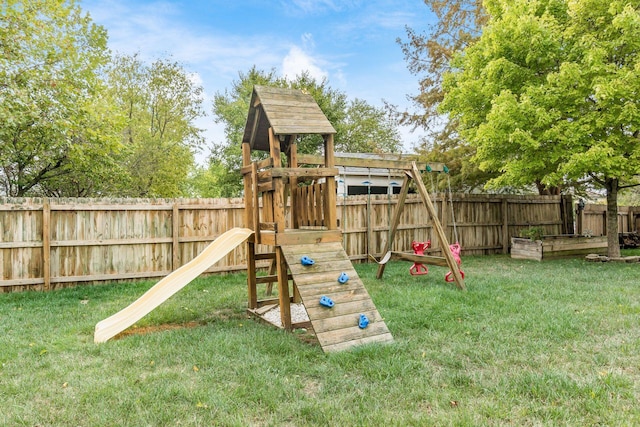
column 350, row 42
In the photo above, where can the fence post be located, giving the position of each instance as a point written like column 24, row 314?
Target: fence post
column 579, row 220
column 566, row 212
column 505, row 225
column 46, row 243
column 175, row 235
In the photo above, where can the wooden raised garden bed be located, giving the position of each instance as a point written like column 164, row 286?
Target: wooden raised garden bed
column 557, row 247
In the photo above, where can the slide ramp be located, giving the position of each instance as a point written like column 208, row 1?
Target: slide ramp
column 170, row 284
column 336, row 328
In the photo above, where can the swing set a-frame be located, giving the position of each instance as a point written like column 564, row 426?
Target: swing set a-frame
column 411, row 171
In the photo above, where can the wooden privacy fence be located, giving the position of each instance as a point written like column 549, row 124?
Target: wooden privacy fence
column 592, row 220
column 50, row 244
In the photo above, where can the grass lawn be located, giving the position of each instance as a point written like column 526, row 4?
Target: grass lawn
column 551, row 343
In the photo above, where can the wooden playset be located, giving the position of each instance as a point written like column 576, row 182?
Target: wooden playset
column 310, row 229
column 303, row 243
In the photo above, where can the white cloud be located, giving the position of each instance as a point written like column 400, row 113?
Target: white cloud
column 297, row 62
column 154, row 31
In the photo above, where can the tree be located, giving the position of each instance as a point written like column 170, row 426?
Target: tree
column 160, row 103
column 550, row 94
column 458, row 24
column 367, row 129
column 359, row 126
column 52, row 118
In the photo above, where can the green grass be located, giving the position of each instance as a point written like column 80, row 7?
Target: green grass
column 551, row 343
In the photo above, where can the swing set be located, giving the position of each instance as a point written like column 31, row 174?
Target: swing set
column 411, row 172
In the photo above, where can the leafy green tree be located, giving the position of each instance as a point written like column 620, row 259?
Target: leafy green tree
column 159, row 103
column 367, row 129
column 550, row 94
column 359, row 126
column 458, row 24
column 52, row 117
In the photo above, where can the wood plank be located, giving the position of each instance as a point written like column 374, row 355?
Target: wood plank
column 370, row 162
column 265, row 255
column 334, row 267
column 260, row 164
column 345, row 345
column 308, row 236
column 306, row 248
column 304, row 172
column 262, row 310
column 352, row 333
column 283, row 106
column 345, row 321
column 424, row 259
column 329, row 285
column 272, row 278
column 337, row 294
column 341, row 309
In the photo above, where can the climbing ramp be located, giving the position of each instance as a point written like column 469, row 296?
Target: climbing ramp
column 337, row 327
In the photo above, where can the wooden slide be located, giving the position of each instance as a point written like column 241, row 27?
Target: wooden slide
column 171, row 284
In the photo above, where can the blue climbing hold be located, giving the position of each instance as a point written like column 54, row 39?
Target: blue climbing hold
column 343, row 278
column 326, row 301
column 305, row 260
column 364, row 321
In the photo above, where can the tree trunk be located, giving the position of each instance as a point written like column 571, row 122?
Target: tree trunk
column 612, row 218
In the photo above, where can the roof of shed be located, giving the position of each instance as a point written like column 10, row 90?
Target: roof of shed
column 287, row 111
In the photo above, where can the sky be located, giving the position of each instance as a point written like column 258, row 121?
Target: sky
column 351, row 43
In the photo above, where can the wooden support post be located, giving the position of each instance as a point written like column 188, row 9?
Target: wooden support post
column 278, row 184
column 283, row 290
column 395, row 221
column 255, row 204
column 46, row 244
column 251, row 220
column 251, row 276
column 292, row 160
column 248, row 185
column 330, row 201
column 453, row 265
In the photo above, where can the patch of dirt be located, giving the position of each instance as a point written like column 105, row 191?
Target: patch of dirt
column 144, row 330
